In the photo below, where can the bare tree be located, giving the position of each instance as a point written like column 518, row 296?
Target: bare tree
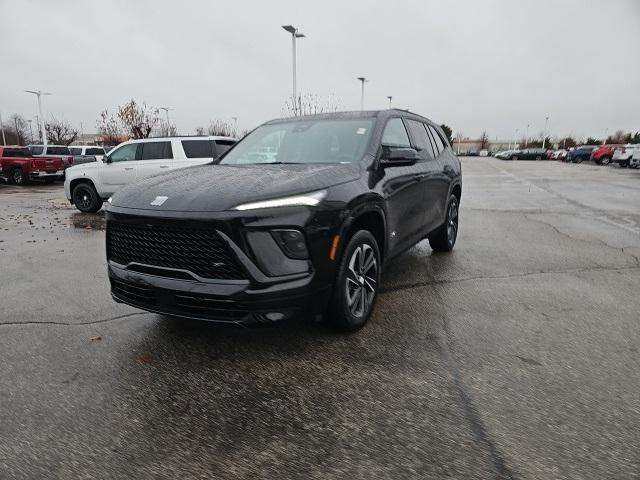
column 199, row 130
column 167, row 129
column 221, row 128
column 109, row 128
column 484, row 141
column 60, row 132
column 138, row 119
column 310, row 104
column 19, row 126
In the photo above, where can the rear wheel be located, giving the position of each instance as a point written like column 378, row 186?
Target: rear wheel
column 443, row 239
column 86, row 199
column 356, row 287
column 538, row 157
column 17, row 176
column 605, row 160
column 624, row 163
column 514, row 157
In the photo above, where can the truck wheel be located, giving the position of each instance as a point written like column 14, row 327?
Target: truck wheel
column 624, row 163
column 85, row 198
column 356, row 287
column 605, row 160
column 443, row 239
column 17, row 176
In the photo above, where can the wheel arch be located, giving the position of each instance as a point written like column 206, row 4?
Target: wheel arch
column 368, row 216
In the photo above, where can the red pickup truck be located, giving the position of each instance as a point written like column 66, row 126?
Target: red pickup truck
column 18, row 166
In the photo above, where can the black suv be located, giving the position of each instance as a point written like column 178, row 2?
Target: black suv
column 529, row 154
column 299, row 216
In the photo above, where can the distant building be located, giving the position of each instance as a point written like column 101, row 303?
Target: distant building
column 469, row 145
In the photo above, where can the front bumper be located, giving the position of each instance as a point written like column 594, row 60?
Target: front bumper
column 230, row 303
column 265, row 292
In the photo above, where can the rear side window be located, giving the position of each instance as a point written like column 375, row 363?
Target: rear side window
column 436, row 137
column 395, row 135
column 94, row 151
column 17, row 152
column 36, row 150
column 75, row 150
column 58, row 151
column 420, row 137
column 156, row 151
column 198, row 148
column 223, row 145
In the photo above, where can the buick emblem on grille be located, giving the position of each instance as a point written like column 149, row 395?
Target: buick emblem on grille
column 159, row 201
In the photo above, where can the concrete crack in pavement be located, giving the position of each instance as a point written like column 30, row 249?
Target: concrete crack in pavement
column 478, row 428
column 433, row 282
column 71, row 324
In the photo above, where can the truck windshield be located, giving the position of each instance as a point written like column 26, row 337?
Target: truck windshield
column 313, row 141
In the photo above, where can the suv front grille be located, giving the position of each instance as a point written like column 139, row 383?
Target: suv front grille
column 200, row 251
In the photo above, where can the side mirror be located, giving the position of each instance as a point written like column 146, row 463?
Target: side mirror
column 106, row 159
column 399, row 157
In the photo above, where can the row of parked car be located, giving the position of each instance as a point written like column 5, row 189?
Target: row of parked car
column 104, row 172
column 624, row 155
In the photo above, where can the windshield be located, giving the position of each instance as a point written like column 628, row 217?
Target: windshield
column 313, row 141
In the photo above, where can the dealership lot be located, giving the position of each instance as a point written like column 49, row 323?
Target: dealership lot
column 516, row 356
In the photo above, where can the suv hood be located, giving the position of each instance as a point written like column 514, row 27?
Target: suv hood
column 214, row 188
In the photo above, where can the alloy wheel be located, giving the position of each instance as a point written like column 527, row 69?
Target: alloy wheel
column 452, row 222
column 361, row 282
column 83, row 198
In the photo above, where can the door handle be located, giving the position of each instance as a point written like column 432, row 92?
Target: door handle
column 128, row 168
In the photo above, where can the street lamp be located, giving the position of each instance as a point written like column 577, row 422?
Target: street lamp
column 389, row 97
column 544, row 135
column 526, row 137
column 516, row 140
column 294, row 34
column 166, row 110
column 30, row 130
column 235, row 125
column 362, row 80
column 39, row 93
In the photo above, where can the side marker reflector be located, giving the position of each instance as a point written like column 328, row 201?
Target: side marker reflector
column 334, row 247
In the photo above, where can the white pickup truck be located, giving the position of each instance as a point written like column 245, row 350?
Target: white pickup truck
column 86, row 186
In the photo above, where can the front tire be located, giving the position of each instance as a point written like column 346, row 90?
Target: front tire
column 445, row 237
column 605, row 160
column 86, row 199
column 356, row 287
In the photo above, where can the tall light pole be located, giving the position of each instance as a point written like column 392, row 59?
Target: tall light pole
column 39, row 93
column 526, row 137
column 295, row 33
column 166, row 111
column 235, row 125
column 606, row 135
column 30, row 131
column 4, row 140
column 362, row 80
column 516, row 140
column 389, row 97
column 544, row 135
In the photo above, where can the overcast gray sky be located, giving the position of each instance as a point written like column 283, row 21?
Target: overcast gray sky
column 475, row 65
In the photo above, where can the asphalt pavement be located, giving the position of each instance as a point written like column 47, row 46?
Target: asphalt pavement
column 513, row 357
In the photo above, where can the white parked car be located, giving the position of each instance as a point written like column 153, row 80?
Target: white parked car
column 86, row 186
column 86, row 153
column 635, row 158
column 623, row 155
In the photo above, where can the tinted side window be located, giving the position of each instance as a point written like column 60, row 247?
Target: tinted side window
column 436, row 137
column 198, row 148
column 94, row 151
column 156, row 151
column 58, row 151
column 36, row 150
column 17, row 152
column 223, row 145
column 395, row 135
column 124, row 153
column 75, row 150
column 420, row 137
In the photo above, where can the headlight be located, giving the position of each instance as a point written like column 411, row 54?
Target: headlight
column 308, row 199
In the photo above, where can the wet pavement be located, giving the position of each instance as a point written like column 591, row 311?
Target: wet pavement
column 515, row 356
